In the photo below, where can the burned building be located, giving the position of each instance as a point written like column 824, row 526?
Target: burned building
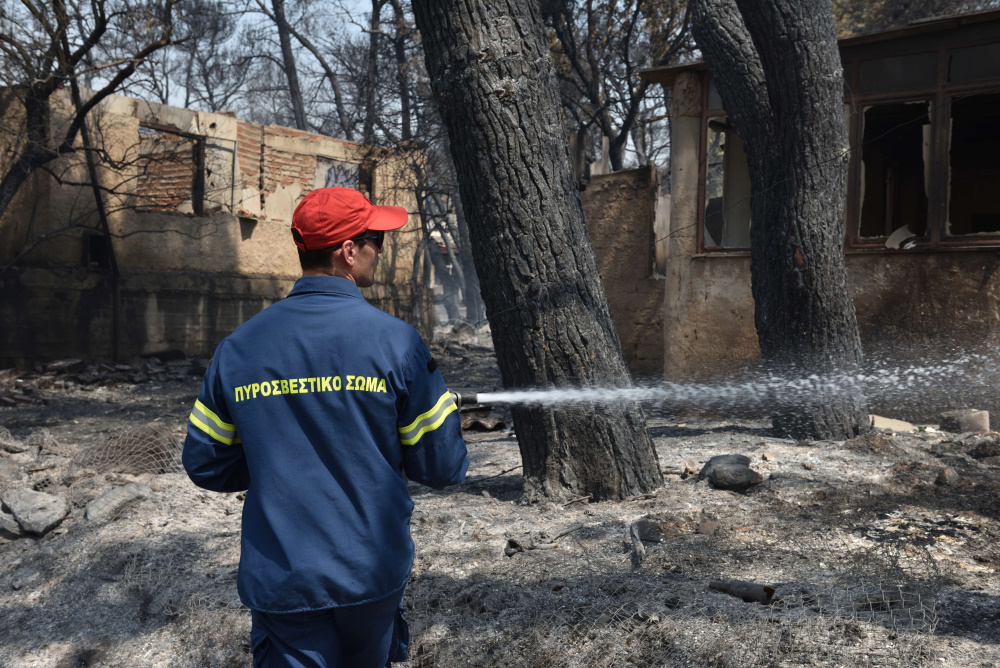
column 192, row 238
column 922, row 227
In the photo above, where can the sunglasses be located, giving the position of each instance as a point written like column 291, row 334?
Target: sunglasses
column 378, row 239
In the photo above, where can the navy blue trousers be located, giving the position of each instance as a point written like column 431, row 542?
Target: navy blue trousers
column 371, row 635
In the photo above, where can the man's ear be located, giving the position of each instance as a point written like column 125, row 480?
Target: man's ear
column 348, row 249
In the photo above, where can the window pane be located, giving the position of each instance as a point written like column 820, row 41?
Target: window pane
column 727, row 188
column 973, row 205
column 894, row 158
column 714, row 99
column 975, row 63
column 898, row 73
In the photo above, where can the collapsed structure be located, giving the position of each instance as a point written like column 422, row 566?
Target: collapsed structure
column 194, row 236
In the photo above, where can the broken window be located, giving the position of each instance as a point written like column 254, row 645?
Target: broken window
column 894, row 169
column 171, row 171
column 973, row 205
column 96, row 252
column 330, row 173
column 727, row 188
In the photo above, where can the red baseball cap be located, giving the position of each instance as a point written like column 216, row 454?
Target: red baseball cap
column 329, row 216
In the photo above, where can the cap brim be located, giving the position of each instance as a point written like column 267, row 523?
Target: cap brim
column 387, row 218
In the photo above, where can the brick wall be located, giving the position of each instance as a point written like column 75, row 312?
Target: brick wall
column 248, row 140
column 166, row 171
column 283, row 168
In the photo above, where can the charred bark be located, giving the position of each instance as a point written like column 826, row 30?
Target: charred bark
column 493, row 79
column 778, row 70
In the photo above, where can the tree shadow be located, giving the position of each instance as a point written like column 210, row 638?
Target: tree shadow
column 90, row 597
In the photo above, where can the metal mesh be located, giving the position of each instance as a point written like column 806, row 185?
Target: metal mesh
column 8, row 442
column 42, row 438
column 151, row 448
column 157, row 575
column 579, row 609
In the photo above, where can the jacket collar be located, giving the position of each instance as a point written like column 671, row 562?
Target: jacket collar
column 331, row 285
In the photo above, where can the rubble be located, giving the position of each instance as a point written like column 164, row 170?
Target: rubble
column 965, row 420
column 947, row 476
column 35, row 512
column 155, row 576
column 111, row 503
column 28, row 386
column 9, row 528
column 748, row 592
column 9, row 443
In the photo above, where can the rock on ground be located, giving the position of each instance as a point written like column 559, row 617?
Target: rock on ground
column 36, row 512
column 9, row 528
column 966, row 419
column 108, row 505
column 730, row 472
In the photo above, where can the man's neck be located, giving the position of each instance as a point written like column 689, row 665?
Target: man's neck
column 329, row 271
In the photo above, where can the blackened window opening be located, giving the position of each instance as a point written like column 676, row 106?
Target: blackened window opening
column 894, row 152
column 974, row 198
column 96, row 252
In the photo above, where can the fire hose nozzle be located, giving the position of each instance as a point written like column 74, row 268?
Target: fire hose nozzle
column 464, row 398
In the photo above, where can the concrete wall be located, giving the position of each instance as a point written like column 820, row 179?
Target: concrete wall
column 620, row 211
column 186, row 281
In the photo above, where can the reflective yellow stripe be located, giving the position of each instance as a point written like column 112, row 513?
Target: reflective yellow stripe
column 213, row 417
column 428, row 421
column 223, row 432
column 211, row 432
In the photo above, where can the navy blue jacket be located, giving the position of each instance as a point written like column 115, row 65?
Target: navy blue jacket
column 317, row 406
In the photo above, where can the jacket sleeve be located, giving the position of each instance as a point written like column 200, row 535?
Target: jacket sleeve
column 213, row 455
column 429, row 426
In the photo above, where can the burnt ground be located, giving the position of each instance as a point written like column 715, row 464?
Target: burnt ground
column 875, row 557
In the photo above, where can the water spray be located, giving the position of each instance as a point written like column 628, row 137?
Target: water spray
column 969, row 376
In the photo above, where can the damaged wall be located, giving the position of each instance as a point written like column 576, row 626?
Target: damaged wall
column 915, row 305
column 620, row 209
column 201, row 235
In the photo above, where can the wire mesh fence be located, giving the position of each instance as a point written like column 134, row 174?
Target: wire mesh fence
column 592, row 610
column 149, row 448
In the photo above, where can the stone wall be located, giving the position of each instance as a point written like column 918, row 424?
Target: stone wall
column 620, row 211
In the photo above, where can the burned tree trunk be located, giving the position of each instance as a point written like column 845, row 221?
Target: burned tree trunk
column 493, row 79
column 778, row 70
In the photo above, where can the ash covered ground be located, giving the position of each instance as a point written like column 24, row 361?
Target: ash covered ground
column 881, row 551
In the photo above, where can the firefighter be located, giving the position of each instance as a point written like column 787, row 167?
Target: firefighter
column 321, row 407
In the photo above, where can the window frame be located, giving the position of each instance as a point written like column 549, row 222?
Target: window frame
column 941, row 97
column 198, row 150
column 706, row 116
